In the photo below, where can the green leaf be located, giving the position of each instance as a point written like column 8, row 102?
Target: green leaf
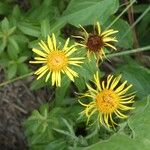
column 2, row 46
column 22, row 59
column 39, row 126
column 35, row 3
column 139, row 122
column 5, row 25
column 21, row 39
column 11, row 30
column 12, row 52
column 16, row 13
column 5, row 8
column 22, row 68
column 57, row 144
column 13, row 43
column 11, row 71
column 117, row 142
column 86, row 11
column 88, row 69
column 29, row 29
column 4, row 62
column 37, row 84
column 45, row 10
column 140, row 8
column 45, row 28
column 80, row 83
column 124, row 40
column 138, row 76
column 142, row 26
column 62, row 91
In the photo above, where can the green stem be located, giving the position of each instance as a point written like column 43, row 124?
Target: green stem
column 135, row 23
column 16, row 79
column 129, row 52
column 121, row 13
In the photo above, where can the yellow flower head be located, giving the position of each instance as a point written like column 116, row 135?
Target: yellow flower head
column 109, row 99
column 56, row 61
column 97, row 41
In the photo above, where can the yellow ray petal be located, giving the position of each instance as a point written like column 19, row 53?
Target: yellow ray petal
column 72, row 72
column 111, row 46
column 91, row 89
column 47, row 77
column 125, row 90
column 101, row 118
column 53, row 78
column 83, row 103
column 109, row 39
column 75, row 63
column 50, row 44
column 109, row 79
column 44, row 46
column 69, row 75
column 54, row 41
column 39, row 58
column 123, row 107
column 103, row 85
column 120, row 115
column 106, row 120
column 69, row 48
column 59, row 78
column 78, row 37
column 41, row 69
column 111, row 119
column 66, row 44
column 76, row 58
column 82, row 45
column 41, row 75
column 37, row 62
column 84, row 30
column 115, row 82
column 98, row 28
column 71, row 51
column 109, row 33
column 97, row 82
column 39, row 52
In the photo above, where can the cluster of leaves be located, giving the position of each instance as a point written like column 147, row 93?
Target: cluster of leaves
column 55, row 125
column 47, row 129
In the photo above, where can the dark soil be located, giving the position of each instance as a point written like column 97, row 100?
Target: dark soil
column 16, row 104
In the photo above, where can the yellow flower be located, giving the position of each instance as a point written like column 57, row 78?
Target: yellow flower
column 96, row 42
column 109, row 99
column 56, row 61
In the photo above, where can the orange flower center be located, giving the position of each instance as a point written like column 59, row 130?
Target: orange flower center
column 107, row 101
column 94, row 43
column 57, row 60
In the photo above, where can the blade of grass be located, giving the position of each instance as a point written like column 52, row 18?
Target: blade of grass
column 121, row 14
column 129, row 52
column 16, row 79
column 135, row 23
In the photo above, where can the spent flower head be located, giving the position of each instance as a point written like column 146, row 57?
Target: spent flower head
column 109, row 100
column 96, row 42
column 56, row 61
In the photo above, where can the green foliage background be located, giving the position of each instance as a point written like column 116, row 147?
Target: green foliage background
column 54, row 125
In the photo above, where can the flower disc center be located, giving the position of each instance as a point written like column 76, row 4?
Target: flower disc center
column 107, row 101
column 94, row 43
column 57, row 60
